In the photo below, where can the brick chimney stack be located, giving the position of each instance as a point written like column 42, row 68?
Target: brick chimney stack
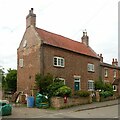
column 85, row 38
column 31, row 19
column 115, row 62
column 101, row 57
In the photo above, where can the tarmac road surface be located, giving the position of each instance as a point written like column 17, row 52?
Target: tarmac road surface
column 101, row 112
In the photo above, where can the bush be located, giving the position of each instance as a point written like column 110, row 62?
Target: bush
column 108, row 87
column 82, row 93
column 62, row 91
column 105, row 94
column 43, row 81
column 99, row 85
column 53, row 88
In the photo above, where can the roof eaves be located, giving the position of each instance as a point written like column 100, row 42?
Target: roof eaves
column 70, row 50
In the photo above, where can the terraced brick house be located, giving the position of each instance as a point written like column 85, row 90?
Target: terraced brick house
column 44, row 52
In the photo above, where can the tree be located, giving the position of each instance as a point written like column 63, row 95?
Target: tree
column 42, row 82
column 2, row 78
column 11, row 80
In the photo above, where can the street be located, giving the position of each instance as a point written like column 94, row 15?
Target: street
column 103, row 112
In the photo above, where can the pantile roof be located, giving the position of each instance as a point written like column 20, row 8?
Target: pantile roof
column 65, row 43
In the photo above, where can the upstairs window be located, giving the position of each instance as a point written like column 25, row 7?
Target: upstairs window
column 91, row 67
column 58, row 61
column 20, row 62
column 90, row 85
column 114, row 73
column 106, row 72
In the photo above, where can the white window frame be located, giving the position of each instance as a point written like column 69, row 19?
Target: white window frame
column 21, row 62
column 61, row 79
column 60, row 62
column 106, row 72
column 114, row 73
column 115, row 86
column 91, row 67
column 90, row 88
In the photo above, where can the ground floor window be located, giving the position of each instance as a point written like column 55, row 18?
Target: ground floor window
column 60, row 79
column 90, row 85
column 77, row 83
column 114, row 87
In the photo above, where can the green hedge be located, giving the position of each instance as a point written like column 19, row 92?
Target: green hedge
column 82, row 93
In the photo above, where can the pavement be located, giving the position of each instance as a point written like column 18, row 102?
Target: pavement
column 25, row 112
column 94, row 105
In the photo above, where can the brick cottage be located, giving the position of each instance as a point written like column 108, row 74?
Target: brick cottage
column 75, row 63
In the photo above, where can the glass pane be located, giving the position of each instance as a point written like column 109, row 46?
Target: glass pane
column 55, row 61
column 62, row 62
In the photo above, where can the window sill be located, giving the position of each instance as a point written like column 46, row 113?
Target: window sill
column 58, row 66
column 91, row 71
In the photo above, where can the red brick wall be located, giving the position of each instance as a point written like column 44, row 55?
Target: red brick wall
column 31, row 57
column 75, row 64
column 110, row 76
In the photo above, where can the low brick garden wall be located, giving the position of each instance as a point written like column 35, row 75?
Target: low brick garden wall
column 108, row 98
column 58, row 102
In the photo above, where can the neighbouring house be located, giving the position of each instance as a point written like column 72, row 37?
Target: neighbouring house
column 40, row 51
column 116, row 83
column 110, row 72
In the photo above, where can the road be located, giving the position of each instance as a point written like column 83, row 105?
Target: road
column 103, row 112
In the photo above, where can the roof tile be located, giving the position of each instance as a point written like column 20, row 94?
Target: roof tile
column 65, row 43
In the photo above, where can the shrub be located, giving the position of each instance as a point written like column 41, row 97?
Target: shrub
column 53, row 88
column 62, row 91
column 108, row 87
column 82, row 93
column 105, row 94
column 99, row 85
column 42, row 82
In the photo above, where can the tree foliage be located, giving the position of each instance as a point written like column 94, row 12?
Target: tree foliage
column 11, row 80
column 52, row 88
column 42, row 82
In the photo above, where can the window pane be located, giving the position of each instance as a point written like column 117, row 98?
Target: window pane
column 59, row 63
column 90, row 85
column 90, row 67
column 62, row 62
column 55, row 61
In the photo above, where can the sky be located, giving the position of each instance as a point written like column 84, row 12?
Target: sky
column 64, row 17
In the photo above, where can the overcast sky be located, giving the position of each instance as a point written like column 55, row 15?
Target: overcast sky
column 65, row 17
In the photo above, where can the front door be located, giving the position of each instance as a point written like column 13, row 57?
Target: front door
column 77, row 86
column 77, row 83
